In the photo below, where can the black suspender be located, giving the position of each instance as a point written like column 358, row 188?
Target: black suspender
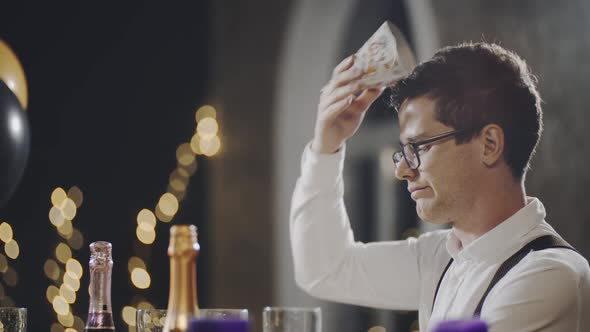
column 540, row 243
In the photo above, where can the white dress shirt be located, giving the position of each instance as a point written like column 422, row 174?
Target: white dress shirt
column 549, row 290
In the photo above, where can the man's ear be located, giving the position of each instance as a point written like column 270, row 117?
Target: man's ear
column 492, row 138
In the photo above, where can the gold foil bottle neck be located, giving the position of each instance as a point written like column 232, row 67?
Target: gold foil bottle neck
column 183, row 239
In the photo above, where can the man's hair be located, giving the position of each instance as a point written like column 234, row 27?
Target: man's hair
column 476, row 84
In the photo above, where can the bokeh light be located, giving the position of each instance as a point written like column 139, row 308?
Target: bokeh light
column 56, row 216
column 55, row 327
column 63, row 252
column 76, row 241
column 168, row 204
column 12, row 249
column 51, row 269
column 71, row 280
column 135, row 262
column 207, row 128
column 184, row 154
column 140, row 278
column 128, row 313
column 211, row 146
column 68, row 294
column 73, row 266
column 10, row 277
column 69, row 209
column 3, row 264
column 58, row 196
column 60, row 305
column 5, row 232
column 76, row 195
column 146, row 236
column 205, row 111
column 146, row 219
column 51, row 293
column 66, row 230
column 66, row 320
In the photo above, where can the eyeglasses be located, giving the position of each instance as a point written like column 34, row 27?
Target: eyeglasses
column 411, row 151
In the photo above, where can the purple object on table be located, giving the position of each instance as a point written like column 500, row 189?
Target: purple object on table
column 218, row 325
column 473, row 325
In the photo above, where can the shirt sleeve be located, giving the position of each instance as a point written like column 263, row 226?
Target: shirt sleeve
column 329, row 264
column 542, row 295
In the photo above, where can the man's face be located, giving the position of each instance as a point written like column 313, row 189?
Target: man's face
column 443, row 186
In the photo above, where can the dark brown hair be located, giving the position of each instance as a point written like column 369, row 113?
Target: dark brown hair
column 475, row 84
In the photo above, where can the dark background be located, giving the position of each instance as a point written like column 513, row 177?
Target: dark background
column 113, row 91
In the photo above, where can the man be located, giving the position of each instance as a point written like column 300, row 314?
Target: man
column 470, row 120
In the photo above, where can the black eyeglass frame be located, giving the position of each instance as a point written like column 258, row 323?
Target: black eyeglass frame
column 417, row 144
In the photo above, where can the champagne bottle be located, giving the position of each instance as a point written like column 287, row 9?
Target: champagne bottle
column 182, row 300
column 100, row 312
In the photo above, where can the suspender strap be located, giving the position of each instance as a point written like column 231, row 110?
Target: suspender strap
column 439, row 282
column 540, row 243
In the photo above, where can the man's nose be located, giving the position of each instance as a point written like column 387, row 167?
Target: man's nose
column 404, row 172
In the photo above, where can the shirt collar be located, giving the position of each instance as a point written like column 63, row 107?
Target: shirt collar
column 502, row 240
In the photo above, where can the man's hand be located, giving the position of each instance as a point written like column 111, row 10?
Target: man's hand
column 340, row 113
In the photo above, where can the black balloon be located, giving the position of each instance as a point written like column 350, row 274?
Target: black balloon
column 15, row 141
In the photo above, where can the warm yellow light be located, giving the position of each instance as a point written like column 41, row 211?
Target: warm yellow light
column 184, row 154
column 190, row 169
column 51, row 269
column 68, row 294
column 60, row 306
column 179, row 185
column 161, row 216
column 128, row 314
column 78, row 324
column 12, row 249
column 76, row 195
column 3, row 264
column 63, row 252
column 69, row 329
column 66, row 230
column 56, row 216
column 210, row 146
column 140, row 278
column 135, row 262
column 178, row 194
column 5, row 232
column 51, row 293
column 55, row 327
column 144, row 305
column 168, row 204
column 146, row 219
column 76, row 241
column 179, row 173
column 58, row 196
column 10, row 277
column 69, row 209
column 72, row 281
column 196, row 144
column 206, row 111
column 146, row 236
column 72, row 265
column 66, row 320
column 207, row 128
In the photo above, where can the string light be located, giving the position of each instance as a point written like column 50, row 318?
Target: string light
column 205, row 141
column 61, row 215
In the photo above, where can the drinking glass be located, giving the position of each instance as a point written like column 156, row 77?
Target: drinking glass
column 291, row 319
column 13, row 319
column 220, row 320
column 150, row 320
